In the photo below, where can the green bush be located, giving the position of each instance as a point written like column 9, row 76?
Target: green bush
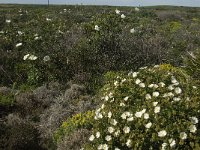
column 154, row 108
column 81, row 120
column 7, row 100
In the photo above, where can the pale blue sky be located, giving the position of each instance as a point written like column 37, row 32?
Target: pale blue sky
column 195, row 3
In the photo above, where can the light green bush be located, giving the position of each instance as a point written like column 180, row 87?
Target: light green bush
column 154, row 108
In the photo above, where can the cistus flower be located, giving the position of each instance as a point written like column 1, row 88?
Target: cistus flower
column 96, row 27
column 183, row 135
column 8, row 21
column 157, row 109
column 92, row 137
column 111, row 129
column 108, row 138
column 155, row 94
column 19, row 44
column 162, row 133
column 126, row 129
column 132, row 30
column 148, row 125
column 46, row 58
column 32, row 57
column 147, row 96
column 194, row 120
column 123, row 16
column 129, row 143
column 192, row 128
column 26, row 56
column 172, row 142
column 97, row 134
column 117, row 11
column 137, row 9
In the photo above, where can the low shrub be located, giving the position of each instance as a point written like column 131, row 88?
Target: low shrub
column 154, row 108
column 81, row 120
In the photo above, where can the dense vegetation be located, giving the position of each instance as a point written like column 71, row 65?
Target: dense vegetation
column 69, row 74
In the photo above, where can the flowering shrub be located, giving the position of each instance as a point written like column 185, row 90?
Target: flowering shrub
column 154, row 108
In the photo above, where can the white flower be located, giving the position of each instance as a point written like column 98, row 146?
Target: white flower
column 194, row 120
column 176, row 99
column 140, row 113
column 123, row 16
column 161, row 84
column 164, row 145
column 148, row 125
column 135, row 74
column 123, row 80
column 96, row 27
column 19, row 44
column 82, row 149
column 137, row 81
column 26, row 56
column 106, row 98
column 156, row 66
column 157, row 109
column 116, row 83
column 20, row 32
column 126, row 129
column 102, row 106
column 47, row 19
column 172, row 142
column 116, row 148
column 137, row 9
column 155, row 94
column 162, row 133
column 128, row 143
column 108, row 138
column 100, row 147
column 122, row 104
column 105, row 147
column 91, row 137
column 142, row 85
column 32, row 57
column 192, row 128
column 155, row 104
column 117, row 11
column 148, row 96
column 111, row 129
column 126, row 98
column 109, row 114
column 117, row 133
column 8, row 21
column 130, row 119
column 170, row 94
column 183, row 135
column 46, row 58
column 146, row 116
column 36, row 38
column 97, row 134
column 177, row 90
column 194, row 87
column 113, row 122
column 155, row 86
column 123, row 116
column 170, row 87
column 151, row 86
column 173, row 80
column 132, row 30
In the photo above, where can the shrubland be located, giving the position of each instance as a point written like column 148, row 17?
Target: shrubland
column 88, row 77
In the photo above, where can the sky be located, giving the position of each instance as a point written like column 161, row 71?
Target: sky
column 195, row 3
